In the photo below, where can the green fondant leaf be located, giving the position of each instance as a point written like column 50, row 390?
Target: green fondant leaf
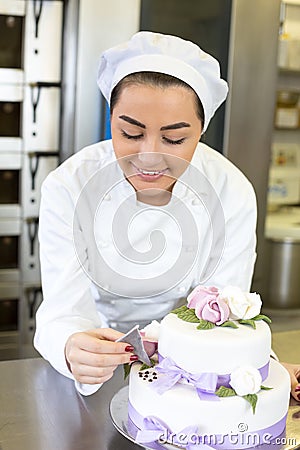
column 250, row 322
column 205, row 325
column 265, row 388
column 126, row 369
column 181, row 308
column 225, row 392
column 230, row 324
column 252, row 399
column 187, row 314
column 262, row 317
column 145, row 366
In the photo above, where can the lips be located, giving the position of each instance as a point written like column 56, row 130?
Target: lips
column 149, row 174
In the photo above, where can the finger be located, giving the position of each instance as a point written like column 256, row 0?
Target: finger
column 107, row 333
column 93, row 380
column 293, row 371
column 100, row 359
column 296, row 392
column 96, row 345
column 295, row 385
column 95, row 372
column 92, row 342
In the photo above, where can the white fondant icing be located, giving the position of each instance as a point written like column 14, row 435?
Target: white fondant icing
column 181, row 407
column 219, row 350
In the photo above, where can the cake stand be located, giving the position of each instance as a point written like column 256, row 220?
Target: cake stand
column 119, row 416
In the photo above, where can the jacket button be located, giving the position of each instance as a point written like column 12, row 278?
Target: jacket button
column 196, row 201
column 181, row 289
column 107, row 197
column 103, row 244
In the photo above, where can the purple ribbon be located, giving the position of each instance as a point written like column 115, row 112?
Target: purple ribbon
column 222, row 380
column 153, row 428
column 205, row 383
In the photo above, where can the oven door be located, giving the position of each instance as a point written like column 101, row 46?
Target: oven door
column 10, row 114
column 11, row 40
column 10, row 185
column 10, row 241
column 11, row 105
column 9, row 320
column 9, row 252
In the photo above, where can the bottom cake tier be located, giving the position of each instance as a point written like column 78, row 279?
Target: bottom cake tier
column 227, row 422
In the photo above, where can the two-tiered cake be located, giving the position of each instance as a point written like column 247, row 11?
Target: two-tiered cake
column 215, row 383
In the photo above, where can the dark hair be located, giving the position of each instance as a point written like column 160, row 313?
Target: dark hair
column 154, row 79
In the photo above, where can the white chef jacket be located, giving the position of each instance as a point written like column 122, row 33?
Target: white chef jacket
column 206, row 235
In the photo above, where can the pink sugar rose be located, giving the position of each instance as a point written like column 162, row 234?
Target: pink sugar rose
column 150, row 347
column 208, row 305
column 150, row 336
column 202, row 293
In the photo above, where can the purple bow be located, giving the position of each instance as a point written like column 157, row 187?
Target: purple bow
column 153, row 429
column 205, row 383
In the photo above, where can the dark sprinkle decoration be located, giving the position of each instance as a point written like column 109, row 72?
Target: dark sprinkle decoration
column 148, row 375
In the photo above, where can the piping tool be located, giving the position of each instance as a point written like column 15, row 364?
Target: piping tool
column 134, row 338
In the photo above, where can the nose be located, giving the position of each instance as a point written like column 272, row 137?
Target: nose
column 148, row 154
column 150, row 159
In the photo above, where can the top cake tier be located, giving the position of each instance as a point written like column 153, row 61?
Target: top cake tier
column 220, row 350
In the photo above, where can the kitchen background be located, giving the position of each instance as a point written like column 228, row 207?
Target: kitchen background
column 50, row 107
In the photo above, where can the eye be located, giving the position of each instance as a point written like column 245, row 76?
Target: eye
column 131, row 136
column 172, row 142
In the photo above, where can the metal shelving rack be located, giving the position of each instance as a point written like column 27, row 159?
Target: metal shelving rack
column 30, row 112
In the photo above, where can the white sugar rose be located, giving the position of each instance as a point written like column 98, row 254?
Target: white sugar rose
column 242, row 305
column 236, row 300
column 151, row 331
column 245, row 380
column 254, row 305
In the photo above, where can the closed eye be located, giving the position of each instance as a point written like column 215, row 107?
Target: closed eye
column 131, row 136
column 172, row 142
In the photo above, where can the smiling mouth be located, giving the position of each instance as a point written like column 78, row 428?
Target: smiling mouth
column 149, row 173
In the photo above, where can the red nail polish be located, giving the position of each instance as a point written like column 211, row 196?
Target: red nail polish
column 134, row 358
column 129, row 348
column 297, row 388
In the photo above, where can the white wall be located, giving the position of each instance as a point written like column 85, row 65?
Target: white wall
column 102, row 24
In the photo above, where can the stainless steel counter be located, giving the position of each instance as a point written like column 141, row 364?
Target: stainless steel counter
column 41, row 410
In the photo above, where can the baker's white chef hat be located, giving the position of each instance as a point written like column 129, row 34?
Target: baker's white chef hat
column 154, row 52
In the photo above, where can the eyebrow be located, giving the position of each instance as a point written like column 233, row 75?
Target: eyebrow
column 132, row 121
column 173, row 126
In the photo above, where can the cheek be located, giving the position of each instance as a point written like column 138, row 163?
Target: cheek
column 190, row 150
column 182, row 153
column 122, row 148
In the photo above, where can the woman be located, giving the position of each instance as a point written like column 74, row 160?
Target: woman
column 129, row 226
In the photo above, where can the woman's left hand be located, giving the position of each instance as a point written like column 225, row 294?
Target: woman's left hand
column 294, row 371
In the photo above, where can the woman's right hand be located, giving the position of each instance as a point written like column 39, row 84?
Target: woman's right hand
column 92, row 356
